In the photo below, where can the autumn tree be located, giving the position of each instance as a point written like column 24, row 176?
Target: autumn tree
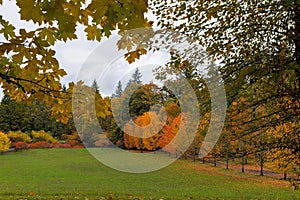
column 176, row 136
column 284, row 157
column 146, row 133
column 4, row 142
column 30, row 69
column 257, row 46
column 87, row 107
column 251, row 39
column 167, row 135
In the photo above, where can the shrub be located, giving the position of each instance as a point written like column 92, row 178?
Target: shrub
column 56, row 145
column 78, row 146
column 18, row 136
column 42, row 136
column 21, row 145
column 4, row 141
column 60, row 145
column 40, row 145
column 73, row 139
column 65, row 146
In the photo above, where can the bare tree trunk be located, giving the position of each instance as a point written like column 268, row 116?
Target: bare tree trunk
column 243, row 164
column 195, row 154
column 227, row 163
column 284, row 176
column 261, row 163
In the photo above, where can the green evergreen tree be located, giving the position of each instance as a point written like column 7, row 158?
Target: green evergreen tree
column 95, row 86
column 119, row 90
column 135, row 77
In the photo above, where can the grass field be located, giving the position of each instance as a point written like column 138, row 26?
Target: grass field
column 75, row 174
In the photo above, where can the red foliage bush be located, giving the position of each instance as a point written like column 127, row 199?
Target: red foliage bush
column 20, row 145
column 56, row 144
column 60, row 145
column 43, row 144
column 40, row 145
column 78, row 146
column 65, row 146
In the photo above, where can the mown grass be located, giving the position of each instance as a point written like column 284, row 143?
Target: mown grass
column 75, row 174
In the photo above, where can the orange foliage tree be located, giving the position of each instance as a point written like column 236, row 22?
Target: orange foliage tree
column 175, row 136
column 146, row 127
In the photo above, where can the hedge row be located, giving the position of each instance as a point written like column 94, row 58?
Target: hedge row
column 43, row 145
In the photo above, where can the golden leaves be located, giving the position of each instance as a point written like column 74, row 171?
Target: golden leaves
column 7, row 30
column 133, row 55
column 93, row 33
column 149, row 139
column 32, row 72
column 30, row 10
column 4, row 142
column 49, row 35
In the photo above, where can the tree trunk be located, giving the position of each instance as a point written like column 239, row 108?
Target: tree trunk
column 284, row 176
column 261, row 163
column 227, row 163
column 243, row 165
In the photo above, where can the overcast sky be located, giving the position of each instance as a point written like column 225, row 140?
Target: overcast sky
column 81, row 57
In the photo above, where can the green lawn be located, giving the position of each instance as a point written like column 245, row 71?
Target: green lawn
column 75, row 174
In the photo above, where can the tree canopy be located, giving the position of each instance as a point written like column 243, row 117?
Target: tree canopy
column 28, row 66
column 253, row 41
column 257, row 46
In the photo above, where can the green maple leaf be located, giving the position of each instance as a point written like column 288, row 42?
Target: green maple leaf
column 49, row 35
column 8, row 31
column 93, row 33
column 99, row 8
column 29, row 10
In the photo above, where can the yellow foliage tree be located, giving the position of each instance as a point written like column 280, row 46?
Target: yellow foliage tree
column 149, row 136
column 285, row 158
column 4, row 141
